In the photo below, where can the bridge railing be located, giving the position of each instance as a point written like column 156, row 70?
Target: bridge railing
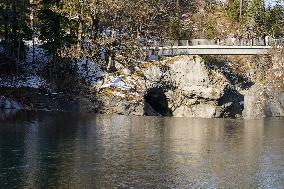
column 220, row 42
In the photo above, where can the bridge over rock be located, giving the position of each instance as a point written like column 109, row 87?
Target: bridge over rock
column 211, row 50
column 212, row 47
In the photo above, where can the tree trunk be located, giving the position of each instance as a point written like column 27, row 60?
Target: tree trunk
column 241, row 10
column 18, row 58
column 80, row 30
column 32, row 27
column 177, row 7
column 5, row 40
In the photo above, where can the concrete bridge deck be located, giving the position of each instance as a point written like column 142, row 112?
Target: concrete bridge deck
column 210, row 50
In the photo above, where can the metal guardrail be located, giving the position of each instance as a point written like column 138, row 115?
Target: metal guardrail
column 220, row 42
column 230, row 46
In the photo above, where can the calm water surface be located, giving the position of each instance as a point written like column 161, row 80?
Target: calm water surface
column 66, row 150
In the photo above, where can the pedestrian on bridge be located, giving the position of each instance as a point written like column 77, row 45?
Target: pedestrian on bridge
column 266, row 39
column 233, row 40
column 217, row 40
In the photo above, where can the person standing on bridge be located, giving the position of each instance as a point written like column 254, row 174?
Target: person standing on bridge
column 217, row 40
column 240, row 40
column 248, row 38
column 266, row 39
column 233, row 40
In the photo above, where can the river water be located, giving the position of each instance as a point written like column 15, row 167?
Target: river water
column 71, row 150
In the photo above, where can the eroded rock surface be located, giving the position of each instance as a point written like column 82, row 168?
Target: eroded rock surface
column 181, row 86
column 192, row 90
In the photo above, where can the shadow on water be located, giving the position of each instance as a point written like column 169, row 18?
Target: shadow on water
column 68, row 150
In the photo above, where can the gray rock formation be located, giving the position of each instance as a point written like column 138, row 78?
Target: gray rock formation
column 274, row 103
column 111, row 104
column 260, row 101
column 254, row 102
column 191, row 89
column 181, row 86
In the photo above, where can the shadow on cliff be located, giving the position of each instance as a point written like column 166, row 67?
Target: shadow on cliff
column 222, row 65
column 232, row 100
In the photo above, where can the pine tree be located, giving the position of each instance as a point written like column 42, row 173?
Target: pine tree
column 14, row 28
column 56, row 30
column 257, row 16
column 277, row 20
column 233, row 8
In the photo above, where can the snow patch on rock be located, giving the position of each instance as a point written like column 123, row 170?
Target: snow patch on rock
column 118, row 83
column 90, row 71
column 36, row 57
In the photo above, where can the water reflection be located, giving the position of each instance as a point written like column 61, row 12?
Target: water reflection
column 65, row 150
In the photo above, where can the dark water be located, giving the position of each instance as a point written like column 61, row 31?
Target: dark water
column 62, row 150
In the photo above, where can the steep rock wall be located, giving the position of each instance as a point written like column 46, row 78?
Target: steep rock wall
column 181, row 86
column 191, row 88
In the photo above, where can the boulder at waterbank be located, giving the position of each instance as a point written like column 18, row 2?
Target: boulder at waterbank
column 260, row 101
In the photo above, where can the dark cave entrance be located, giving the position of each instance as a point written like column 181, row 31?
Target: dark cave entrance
column 155, row 99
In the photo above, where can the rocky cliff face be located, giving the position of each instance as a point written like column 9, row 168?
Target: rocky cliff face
column 260, row 101
column 182, row 87
column 263, row 97
column 192, row 90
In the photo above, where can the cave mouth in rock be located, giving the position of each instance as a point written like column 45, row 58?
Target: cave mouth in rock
column 156, row 98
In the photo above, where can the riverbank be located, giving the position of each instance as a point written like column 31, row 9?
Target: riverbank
column 183, row 86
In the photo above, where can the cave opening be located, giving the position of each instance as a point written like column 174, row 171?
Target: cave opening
column 155, row 99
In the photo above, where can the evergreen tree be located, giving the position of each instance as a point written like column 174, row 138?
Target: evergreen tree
column 233, row 8
column 257, row 16
column 56, row 30
column 210, row 31
column 236, row 9
column 14, row 28
column 276, row 20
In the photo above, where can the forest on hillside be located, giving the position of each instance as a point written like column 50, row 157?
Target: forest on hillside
column 75, row 29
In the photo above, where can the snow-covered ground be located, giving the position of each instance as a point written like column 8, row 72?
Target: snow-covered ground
column 118, row 83
column 22, row 82
column 36, row 57
column 90, row 72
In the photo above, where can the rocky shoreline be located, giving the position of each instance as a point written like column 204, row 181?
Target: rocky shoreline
column 183, row 86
